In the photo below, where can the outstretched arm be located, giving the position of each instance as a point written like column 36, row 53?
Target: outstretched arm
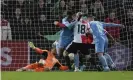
column 112, row 25
column 70, row 25
column 38, row 50
column 65, row 24
column 59, row 24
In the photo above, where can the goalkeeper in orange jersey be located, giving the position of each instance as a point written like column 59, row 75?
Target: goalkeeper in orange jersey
column 46, row 63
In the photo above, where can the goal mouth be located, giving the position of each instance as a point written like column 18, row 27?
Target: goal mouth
column 22, row 20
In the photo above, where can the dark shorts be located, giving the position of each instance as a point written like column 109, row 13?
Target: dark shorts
column 83, row 48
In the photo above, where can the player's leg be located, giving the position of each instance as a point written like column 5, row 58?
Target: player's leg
column 109, row 60
column 71, row 48
column 83, row 52
column 66, row 53
column 82, row 66
column 29, row 67
column 76, row 62
column 61, row 67
column 67, row 43
column 67, row 59
column 57, row 49
column 107, row 56
column 61, row 46
column 63, row 43
column 84, row 48
column 78, row 57
column 99, row 48
column 60, row 52
column 76, row 50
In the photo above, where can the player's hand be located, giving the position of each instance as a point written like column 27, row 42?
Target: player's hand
column 56, row 22
column 31, row 45
column 79, row 15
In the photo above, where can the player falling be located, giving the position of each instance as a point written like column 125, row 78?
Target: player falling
column 101, row 40
column 46, row 63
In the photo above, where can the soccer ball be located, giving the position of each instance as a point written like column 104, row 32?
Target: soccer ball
column 71, row 56
column 42, row 61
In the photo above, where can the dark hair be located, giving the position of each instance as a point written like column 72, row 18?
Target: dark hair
column 92, row 16
column 70, row 12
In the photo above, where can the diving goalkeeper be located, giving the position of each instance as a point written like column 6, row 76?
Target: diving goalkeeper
column 46, row 63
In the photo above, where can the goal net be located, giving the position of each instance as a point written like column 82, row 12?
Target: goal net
column 24, row 20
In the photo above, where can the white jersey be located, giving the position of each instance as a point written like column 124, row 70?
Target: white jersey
column 80, row 30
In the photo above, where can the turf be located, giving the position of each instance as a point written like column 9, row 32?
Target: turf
column 127, row 75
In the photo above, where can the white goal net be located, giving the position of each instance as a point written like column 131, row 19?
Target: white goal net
column 23, row 20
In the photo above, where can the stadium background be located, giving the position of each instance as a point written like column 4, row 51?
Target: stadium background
column 29, row 24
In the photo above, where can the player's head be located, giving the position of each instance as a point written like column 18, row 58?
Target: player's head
column 84, row 17
column 91, row 17
column 70, row 14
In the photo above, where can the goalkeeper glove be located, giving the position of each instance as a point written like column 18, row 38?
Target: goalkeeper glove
column 31, row 45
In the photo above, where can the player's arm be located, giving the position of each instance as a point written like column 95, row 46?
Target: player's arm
column 70, row 25
column 65, row 24
column 59, row 24
column 112, row 25
column 109, row 36
column 38, row 50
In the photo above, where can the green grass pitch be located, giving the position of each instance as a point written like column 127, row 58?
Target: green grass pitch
column 118, row 75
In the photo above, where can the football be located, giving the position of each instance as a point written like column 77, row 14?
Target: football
column 71, row 56
column 41, row 61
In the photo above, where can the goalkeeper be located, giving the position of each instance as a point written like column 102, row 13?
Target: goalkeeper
column 46, row 63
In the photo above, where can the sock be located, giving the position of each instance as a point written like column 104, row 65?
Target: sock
column 103, row 61
column 81, row 60
column 76, row 60
column 68, row 62
column 109, row 60
column 81, row 63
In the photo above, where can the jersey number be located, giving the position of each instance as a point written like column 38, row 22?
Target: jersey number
column 81, row 29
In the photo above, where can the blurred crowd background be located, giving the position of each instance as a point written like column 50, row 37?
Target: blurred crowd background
column 26, row 18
